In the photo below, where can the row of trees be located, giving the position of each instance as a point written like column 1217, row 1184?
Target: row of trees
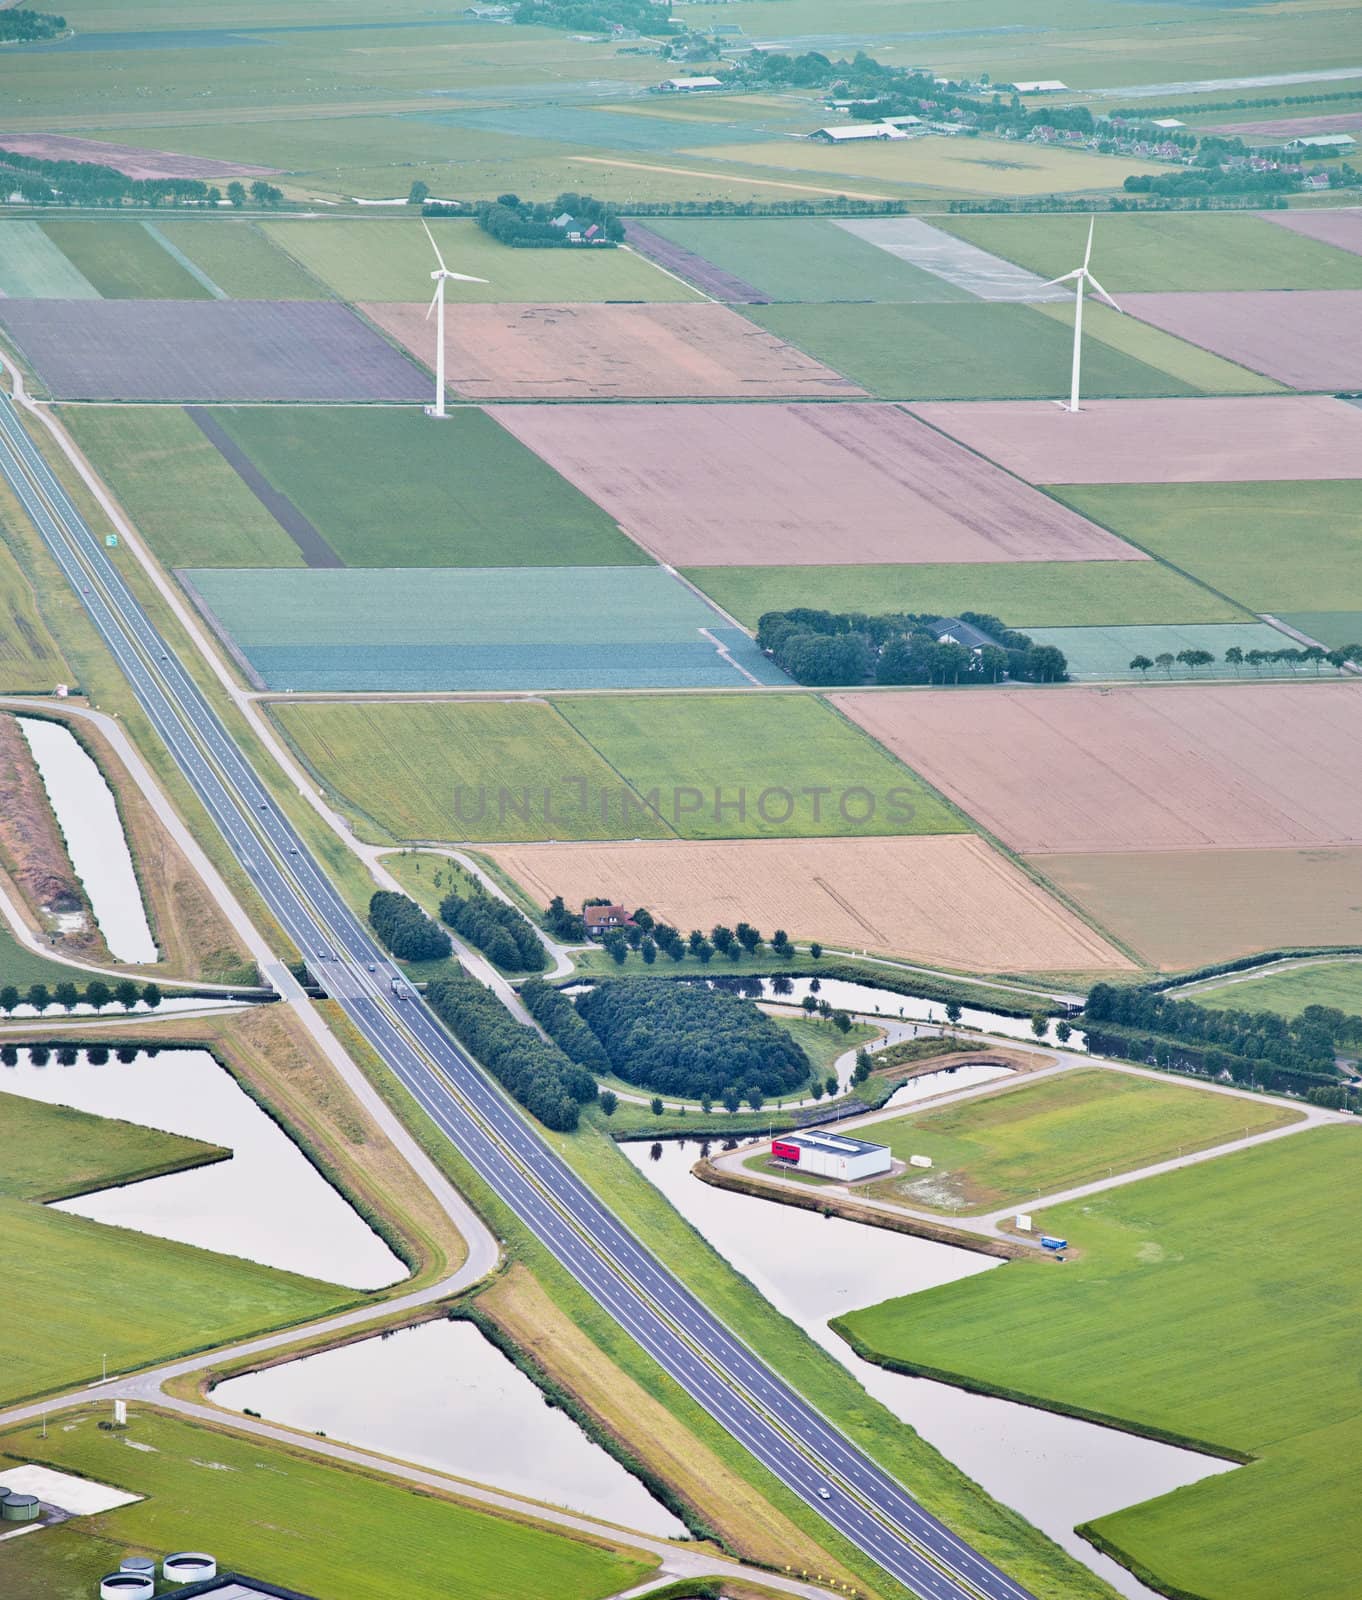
column 827, row 647
column 536, row 1072
column 595, row 16
column 498, row 930
column 66, row 1055
column 1311, row 655
column 406, row 930
column 526, row 224
column 648, row 937
column 27, row 26
column 96, row 993
column 685, row 1039
column 85, row 183
column 1000, row 205
column 560, row 1019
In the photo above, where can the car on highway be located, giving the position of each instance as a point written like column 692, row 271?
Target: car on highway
column 824, row 1493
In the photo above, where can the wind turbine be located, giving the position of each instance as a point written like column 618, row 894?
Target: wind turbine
column 437, row 304
column 1080, row 277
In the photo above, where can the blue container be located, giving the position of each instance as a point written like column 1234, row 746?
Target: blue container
column 1047, row 1242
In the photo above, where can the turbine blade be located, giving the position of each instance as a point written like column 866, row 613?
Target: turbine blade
column 438, row 295
column 1067, row 278
column 466, row 277
column 435, row 247
column 1093, row 281
column 1087, row 254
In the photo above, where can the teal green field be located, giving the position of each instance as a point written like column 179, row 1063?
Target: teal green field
column 32, row 266
column 1106, row 653
column 123, row 261
column 1167, row 250
column 1333, row 628
column 1273, row 547
column 242, row 261
column 1023, row 593
column 1337, row 984
column 1218, row 1304
column 262, row 1508
column 744, row 767
column 959, row 352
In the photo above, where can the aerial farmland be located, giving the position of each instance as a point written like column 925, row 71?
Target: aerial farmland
column 680, row 706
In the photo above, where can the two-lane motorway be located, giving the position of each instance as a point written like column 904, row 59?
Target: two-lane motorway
column 784, row 1432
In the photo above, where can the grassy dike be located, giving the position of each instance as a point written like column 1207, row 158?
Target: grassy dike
column 1002, row 1534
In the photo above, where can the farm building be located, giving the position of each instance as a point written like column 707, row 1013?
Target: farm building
column 1040, row 86
column 832, row 1155
column 950, row 630
column 1321, row 143
column 232, row 1586
column 861, row 130
column 601, row 919
column 689, row 85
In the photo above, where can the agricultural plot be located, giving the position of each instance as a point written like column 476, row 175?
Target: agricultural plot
column 1185, row 908
column 1288, row 991
column 468, row 770
column 1101, row 654
column 30, row 660
column 128, row 159
column 577, row 352
column 390, row 488
column 243, row 263
column 954, row 261
column 1025, row 594
column 1163, row 767
column 491, row 628
column 784, row 485
column 1333, row 628
column 1307, row 339
column 32, row 267
column 1054, row 1134
column 208, row 350
column 704, row 275
column 802, row 259
column 596, row 128
column 1183, row 1316
column 124, row 261
column 1166, row 250
column 391, row 261
column 1342, row 229
column 978, row 351
column 1282, row 548
column 185, row 500
column 766, row 766
column 951, row 900
column 1236, row 440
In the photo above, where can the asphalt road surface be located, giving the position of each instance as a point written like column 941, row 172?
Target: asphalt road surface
column 758, row 1408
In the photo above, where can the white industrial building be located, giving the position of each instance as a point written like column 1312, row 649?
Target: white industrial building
column 832, row 1155
column 857, row 130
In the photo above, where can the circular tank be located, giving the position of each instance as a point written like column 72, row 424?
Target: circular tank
column 189, row 1566
column 126, row 1586
column 141, row 1564
column 19, row 1508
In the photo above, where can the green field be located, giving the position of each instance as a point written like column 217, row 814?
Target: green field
column 263, row 1509
column 823, row 1042
column 1219, row 1304
column 392, row 261
column 754, row 767
column 1333, row 628
column 241, row 261
column 1106, row 653
column 456, row 770
column 1206, row 373
column 981, row 351
column 803, row 259
column 1166, row 250
column 386, row 487
column 1054, row 1134
column 1323, row 983
column 21, row 967
column 50, row 1152
column 1273, row 547
column 1051, row 594
column 30, row 660
column 33, row 267
column 181, row 495
column 124, row 262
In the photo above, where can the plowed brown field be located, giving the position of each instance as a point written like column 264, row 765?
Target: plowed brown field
column 1238, row 440
column 1341, row 228
column 1186, row 908
column 780, row 485
column 639, row 352
column 128, row 159
column 1181, row 767
column 952, row 901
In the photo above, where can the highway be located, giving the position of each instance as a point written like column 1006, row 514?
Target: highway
column 784, row 1432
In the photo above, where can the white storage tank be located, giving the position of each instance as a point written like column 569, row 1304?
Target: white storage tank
column 189, row 1566
column 142, row 1565
column 126, row 1586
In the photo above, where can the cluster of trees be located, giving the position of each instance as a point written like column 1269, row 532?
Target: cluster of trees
column 827, row 647
column 406, row 930
column 535, row 1071
column 528, row 225
column 96, row 993
column 1248, row 1046
column 648, row 937
column 498, row 930
column 564, row 924
column 27, row 26
column 560, row 1019
column 595, row 16
column 1310, row 655
column 684, row 1039
column 85, row 183
column 264, row 194
column 1193, row 183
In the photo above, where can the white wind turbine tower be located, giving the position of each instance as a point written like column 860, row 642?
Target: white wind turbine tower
column 437, row 304
column 1080, row 277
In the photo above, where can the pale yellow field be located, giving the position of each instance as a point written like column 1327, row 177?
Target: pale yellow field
column 949, row 900
column 979, row 166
